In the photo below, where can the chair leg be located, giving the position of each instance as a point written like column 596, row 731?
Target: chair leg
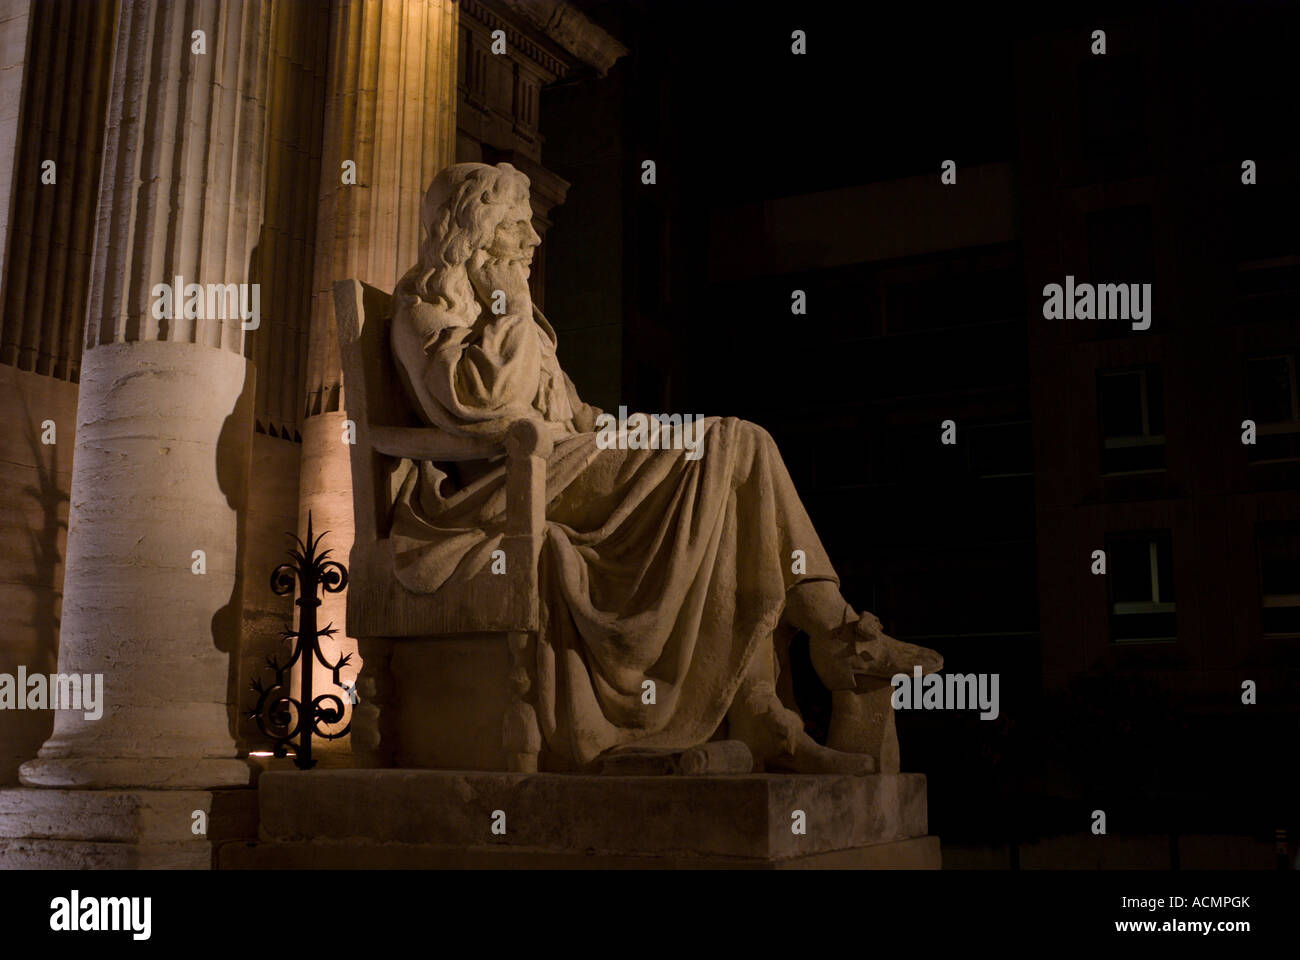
column 862, row 721
column 372, row 736
column 520, row 734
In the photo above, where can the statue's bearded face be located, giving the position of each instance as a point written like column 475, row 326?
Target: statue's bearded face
column 515, row 237
column 504, row 263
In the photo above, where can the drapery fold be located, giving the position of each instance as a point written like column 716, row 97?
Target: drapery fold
column 654, row 567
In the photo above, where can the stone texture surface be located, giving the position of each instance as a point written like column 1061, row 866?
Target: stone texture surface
column 120, row 816
column 286, row 243
column 450, row 698
column 64, row 88
column 166, row 207
column 34, row 482
column 918, row 853
column 568, row 26
column 15, row 17
column 688, row 817
column 120, row 829
column 90, row 855
column 160, row 471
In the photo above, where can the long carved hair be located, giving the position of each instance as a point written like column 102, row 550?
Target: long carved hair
column 461, row 212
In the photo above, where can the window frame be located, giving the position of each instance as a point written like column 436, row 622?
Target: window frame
column 1130, row 441
column 1155, row 605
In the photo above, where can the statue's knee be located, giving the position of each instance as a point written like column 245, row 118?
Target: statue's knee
column 755, row 434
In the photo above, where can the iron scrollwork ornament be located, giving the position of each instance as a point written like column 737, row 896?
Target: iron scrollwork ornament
column 279, row 715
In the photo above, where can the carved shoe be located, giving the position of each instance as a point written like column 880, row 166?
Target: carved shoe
column 861, row 649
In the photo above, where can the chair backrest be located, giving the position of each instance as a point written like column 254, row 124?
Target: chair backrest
column 373, row 396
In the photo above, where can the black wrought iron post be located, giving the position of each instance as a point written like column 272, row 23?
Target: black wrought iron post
column 279, row 715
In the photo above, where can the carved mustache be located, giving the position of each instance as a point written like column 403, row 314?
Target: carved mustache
column 496, row 261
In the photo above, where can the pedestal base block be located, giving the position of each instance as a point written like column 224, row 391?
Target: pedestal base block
column 434, row 818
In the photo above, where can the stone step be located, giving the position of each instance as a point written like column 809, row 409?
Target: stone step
column 745, row 817
column 60, row 829
column 40, row 854
column 917, row 853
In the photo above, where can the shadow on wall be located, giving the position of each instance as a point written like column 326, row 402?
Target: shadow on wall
column 234, row 447
column 36, row 477
column 276, row 353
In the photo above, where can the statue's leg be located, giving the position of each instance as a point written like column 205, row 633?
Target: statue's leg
column 855, row 659
column 373, row 719
column 775, row 734
column 817, row 608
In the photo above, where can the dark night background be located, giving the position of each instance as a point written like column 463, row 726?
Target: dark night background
column 821, row 172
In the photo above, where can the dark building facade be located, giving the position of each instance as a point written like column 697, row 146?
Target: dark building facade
column 925, row 303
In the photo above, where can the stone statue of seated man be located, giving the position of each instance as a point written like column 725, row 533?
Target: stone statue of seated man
column 662, row 568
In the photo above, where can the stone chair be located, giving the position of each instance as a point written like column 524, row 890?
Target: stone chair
column 425, row 694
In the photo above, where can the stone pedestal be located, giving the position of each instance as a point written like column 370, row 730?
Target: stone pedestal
column 434, row 818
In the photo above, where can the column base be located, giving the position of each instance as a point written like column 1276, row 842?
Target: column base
column 44, row 829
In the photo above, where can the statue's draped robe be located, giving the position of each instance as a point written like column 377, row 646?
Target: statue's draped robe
column 653, row 566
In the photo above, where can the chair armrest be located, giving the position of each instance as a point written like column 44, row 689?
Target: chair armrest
column 524, row 438
column 528, row 438
column 528, row 444
column 427, row 443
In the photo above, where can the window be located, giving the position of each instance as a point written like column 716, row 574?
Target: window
column 1279, row 580
column 1130, row 406
column 1140, row 574
column 1267, row 248
column 1271, row 401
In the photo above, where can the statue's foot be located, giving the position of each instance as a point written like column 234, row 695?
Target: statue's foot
column 776, row 737
column 862, row 649
column 809, row 756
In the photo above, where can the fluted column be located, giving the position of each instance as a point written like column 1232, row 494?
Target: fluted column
column 52, row 228
column 391, row 110
column 160, row 468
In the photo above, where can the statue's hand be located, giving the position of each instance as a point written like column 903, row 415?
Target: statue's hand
column 490, row 275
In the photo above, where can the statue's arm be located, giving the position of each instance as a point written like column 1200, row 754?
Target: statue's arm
column 584, row 414
column 486, row 372
column 496, row 370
